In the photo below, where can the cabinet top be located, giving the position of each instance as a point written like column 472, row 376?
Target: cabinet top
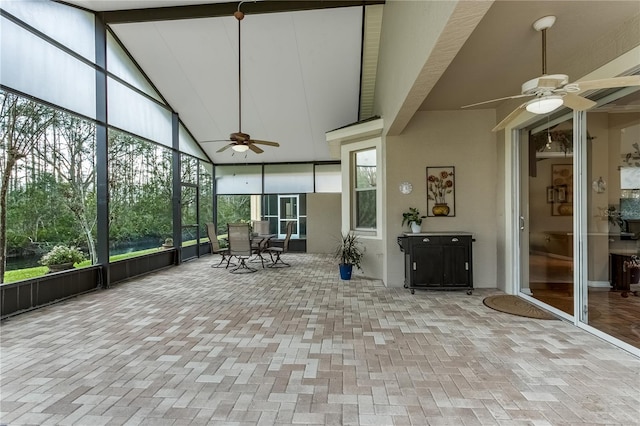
column 437, row 234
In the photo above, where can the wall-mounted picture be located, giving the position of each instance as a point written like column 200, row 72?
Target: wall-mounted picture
column 441, row 200
column 551, row 194
column 562, row 183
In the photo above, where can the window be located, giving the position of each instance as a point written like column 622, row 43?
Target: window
column 140, row 193
column 365, row 193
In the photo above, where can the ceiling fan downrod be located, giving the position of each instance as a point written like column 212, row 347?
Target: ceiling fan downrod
column 239, row 15
column 543, row 24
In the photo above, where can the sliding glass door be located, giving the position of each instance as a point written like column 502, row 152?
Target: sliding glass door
column 579, row 217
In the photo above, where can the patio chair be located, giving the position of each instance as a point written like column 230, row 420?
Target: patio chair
column 239, row 235
column 216, row 249
column 260, row 227
column 279, row 249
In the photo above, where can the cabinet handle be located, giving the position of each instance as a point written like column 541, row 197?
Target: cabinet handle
column 455, row 240
column 426, row 240
column 466, row 266
column 414, row 266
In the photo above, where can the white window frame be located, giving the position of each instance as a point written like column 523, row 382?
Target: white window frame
column 348, row 186
column 355, row 190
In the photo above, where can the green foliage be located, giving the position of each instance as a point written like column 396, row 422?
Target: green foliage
column 140, row 189
column 350, row 250
column 62, row 254
column 233, row 209
column 25, row 274
column 38, row 213
column 413, row 215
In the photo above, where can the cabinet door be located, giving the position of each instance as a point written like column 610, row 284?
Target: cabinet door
column 427, row 265
column 456, row 265
column 457, row 261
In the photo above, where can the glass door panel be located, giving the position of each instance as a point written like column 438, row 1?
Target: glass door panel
column 549, row 214
column 287, row 212
column 613, row 219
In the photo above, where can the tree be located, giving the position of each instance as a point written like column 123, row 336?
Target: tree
column 231, row 209
column 71, row 155
column 22, row 125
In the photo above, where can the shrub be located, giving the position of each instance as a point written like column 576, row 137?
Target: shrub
column 62, row 254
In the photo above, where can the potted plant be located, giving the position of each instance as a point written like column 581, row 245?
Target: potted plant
column 61, row 258
column 350, row 253
column 168, row 243
column 413, row 218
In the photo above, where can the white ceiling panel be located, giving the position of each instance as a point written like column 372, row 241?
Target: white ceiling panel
column 300, row 77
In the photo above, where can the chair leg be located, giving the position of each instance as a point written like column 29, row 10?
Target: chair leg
column 243, row 266
column 278, row 263
column 225, row 258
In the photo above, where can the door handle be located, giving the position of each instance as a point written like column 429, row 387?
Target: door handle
column 522, row 223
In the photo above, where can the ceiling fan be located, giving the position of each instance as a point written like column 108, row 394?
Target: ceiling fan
column 240, row 141
column 550, row 91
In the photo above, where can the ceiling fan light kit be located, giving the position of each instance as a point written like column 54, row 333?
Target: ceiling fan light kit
column 240, row 148
column 544, row 104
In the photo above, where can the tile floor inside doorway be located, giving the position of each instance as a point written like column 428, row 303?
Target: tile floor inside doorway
column 193, row 345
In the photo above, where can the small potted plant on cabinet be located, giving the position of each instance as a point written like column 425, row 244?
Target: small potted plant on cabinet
column 61, row 258
column 414, row 219
column 350, row 253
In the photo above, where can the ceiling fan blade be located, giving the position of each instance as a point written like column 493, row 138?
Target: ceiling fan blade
column 608, row 83
column 216, row 140
column 255, row 149
column 577, row 103
column 509, row 118
column 264, row 142
column 224, row 148
column 496, row 100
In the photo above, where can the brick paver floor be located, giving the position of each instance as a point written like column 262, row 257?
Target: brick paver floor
column 192, row 345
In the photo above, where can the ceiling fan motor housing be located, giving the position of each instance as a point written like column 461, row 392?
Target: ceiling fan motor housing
column 239, row 137
column 545, row 83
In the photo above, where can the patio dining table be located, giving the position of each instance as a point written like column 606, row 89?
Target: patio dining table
column 259, row 242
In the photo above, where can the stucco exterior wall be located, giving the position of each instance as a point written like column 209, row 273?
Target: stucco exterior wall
column 323, row 222
column 446, row 138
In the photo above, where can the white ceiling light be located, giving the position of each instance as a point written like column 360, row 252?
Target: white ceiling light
column 544, row 104
column 240, row 148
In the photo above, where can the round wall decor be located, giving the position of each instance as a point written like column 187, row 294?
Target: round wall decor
column 406, row 187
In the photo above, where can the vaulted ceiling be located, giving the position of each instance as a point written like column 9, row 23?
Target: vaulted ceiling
column 302, row 72
column 300, row 68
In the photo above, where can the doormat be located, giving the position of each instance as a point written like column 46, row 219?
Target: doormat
column 516, row 306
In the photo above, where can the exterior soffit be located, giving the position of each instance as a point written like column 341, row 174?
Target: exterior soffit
column 461, row 24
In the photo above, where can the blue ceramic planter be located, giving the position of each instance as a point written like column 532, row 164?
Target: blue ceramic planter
column 345, row 271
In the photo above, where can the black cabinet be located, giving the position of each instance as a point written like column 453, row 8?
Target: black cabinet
column 437, row 261
column 621, row 276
